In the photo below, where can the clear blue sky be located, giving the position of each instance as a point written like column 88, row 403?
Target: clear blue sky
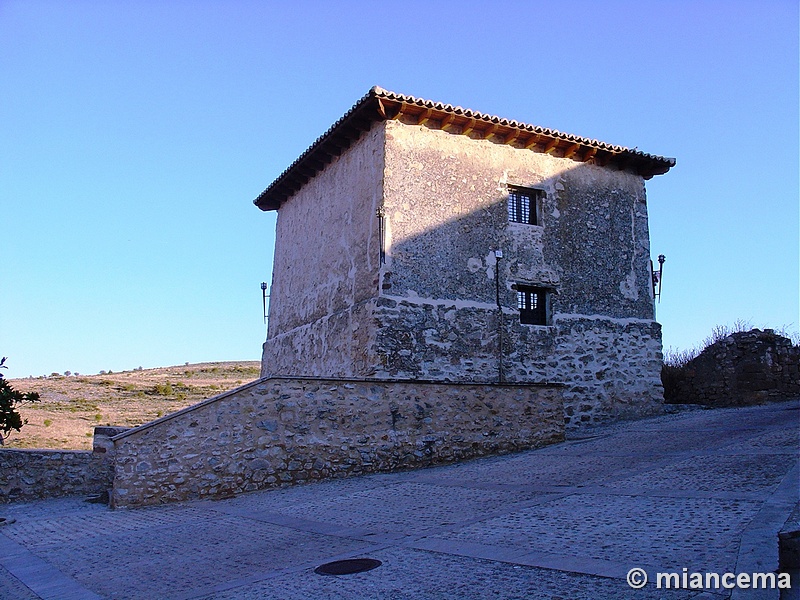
column 134, row 136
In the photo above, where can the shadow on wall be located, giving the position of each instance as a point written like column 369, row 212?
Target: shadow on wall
column 441, row 285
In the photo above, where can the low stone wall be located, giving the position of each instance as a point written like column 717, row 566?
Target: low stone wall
column 282, row 431
column 34, row 474
column 743, row 368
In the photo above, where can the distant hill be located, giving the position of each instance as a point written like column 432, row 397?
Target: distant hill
column 71, row 406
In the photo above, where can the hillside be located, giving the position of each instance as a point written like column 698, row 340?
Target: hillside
column 71, row 406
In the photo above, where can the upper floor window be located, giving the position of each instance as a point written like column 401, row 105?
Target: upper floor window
column 523, row 205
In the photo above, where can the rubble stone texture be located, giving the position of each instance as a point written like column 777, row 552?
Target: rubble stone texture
column 743, row 368
column 33, row 474
column 279, row 432
column 430, row 310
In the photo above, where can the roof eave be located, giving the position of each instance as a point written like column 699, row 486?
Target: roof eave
column 380, row 105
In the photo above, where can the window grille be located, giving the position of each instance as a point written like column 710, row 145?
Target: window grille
column 532, row 305
column 523, row 206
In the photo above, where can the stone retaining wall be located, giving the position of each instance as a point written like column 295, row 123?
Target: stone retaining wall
column 282, row 431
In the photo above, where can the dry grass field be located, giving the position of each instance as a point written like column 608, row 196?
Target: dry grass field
column 71, row 406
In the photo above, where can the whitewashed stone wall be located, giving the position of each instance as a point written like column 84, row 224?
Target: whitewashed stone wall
column 279, row 432
column 325, row 269
column 445, row 198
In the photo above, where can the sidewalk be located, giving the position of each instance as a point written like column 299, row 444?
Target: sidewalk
column 705, row 490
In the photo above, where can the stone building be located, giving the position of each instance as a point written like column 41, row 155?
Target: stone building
column 418, row 240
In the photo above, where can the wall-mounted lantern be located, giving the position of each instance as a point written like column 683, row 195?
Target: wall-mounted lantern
column 264, row 297
column 381, row 214
column 657, row 276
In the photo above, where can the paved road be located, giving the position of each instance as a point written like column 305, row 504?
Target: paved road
column 701, row 490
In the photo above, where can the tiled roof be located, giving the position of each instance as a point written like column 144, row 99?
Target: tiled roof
column 379, row 105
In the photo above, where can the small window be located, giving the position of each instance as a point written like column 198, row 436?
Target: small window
column 523, row 205
column 532, row 304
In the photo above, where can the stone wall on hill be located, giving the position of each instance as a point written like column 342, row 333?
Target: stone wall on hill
column 743, row 368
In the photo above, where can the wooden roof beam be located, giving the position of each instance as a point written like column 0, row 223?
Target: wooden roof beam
column 389, row 110
column 424, row 116
column 617, row 161
column 571, row 150
column 512, row 137
column 551, row 146
column 602, row 157
column 295, row 183
column 382, row 109
column 447, row 122
column 333, row 149
column 489, row 131
column 531, row 142
column 306, row 171
column 468, row 127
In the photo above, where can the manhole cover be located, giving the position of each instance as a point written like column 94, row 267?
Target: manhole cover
column 346, row 567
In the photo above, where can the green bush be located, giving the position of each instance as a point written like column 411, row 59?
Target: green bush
column 10, row 399
column 164, row 389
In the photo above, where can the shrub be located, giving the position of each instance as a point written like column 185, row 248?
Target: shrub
column 164, row 389
column 680, row 358
column 10, row 399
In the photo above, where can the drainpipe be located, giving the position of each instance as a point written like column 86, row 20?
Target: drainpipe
column 498, row 255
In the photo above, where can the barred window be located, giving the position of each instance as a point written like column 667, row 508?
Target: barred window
column 523, row 205
column 532, row 305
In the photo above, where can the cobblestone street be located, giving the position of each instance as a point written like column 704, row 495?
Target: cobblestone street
column 705, row 490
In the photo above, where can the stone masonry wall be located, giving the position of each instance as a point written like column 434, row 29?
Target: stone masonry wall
column 34, row 474
column 743, row 368
column 430, row 311
column 337, row 345
column 282, row 431
column 612, row 367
